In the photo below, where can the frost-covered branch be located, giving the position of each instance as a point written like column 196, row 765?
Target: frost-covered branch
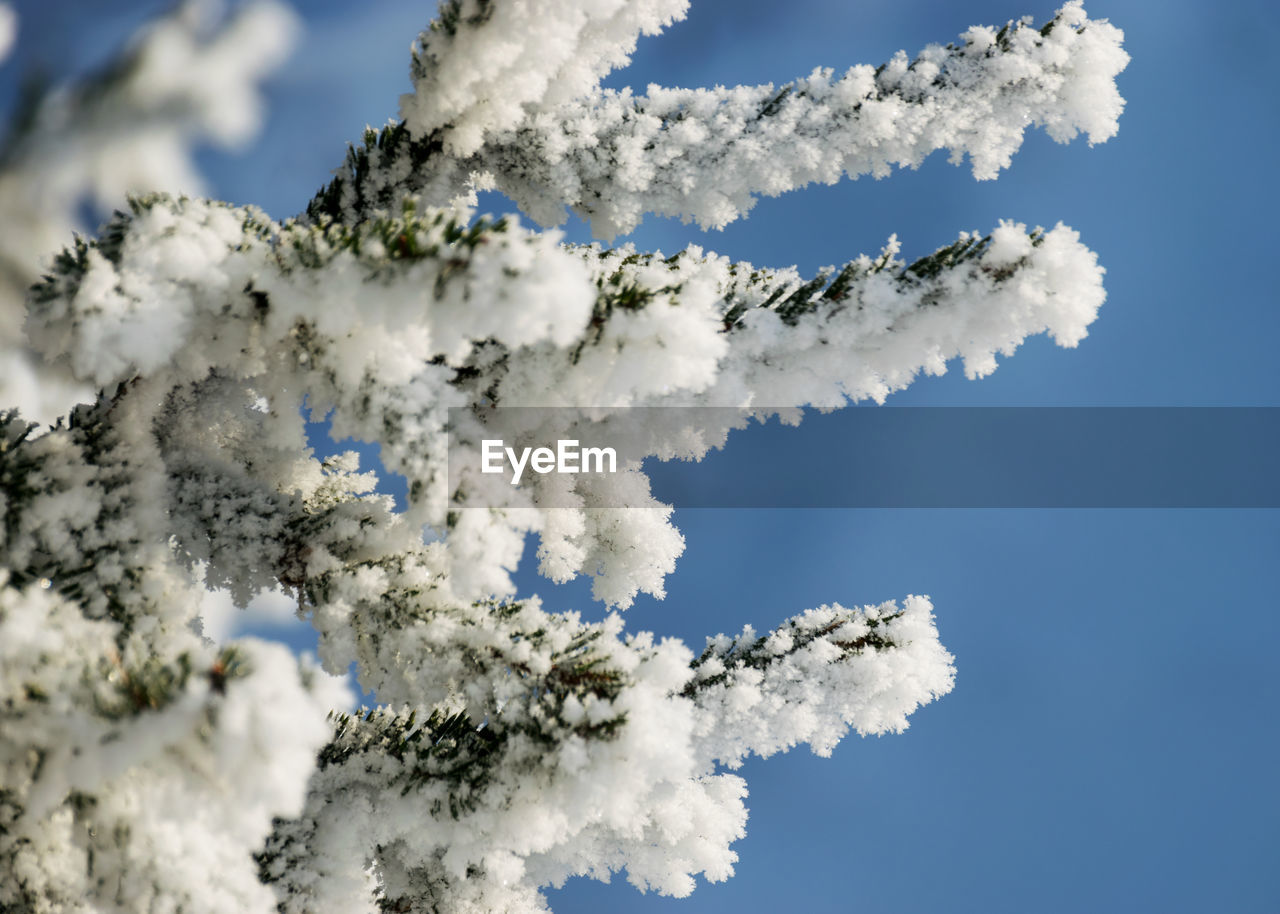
column 131, row 128
column 585, row 722
column 482, row 65
column 508, row 696
column 143, row 767
column 577, row 327
column 705, row 155
column 110, row 703
column 815, row 676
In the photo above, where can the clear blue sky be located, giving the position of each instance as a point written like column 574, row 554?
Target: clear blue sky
column 1111, row 743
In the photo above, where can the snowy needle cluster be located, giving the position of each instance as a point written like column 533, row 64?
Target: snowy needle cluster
column 154, row 448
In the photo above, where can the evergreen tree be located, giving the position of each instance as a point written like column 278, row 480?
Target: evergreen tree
column 168, row 360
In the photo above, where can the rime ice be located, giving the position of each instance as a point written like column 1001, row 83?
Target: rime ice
column 144, row 768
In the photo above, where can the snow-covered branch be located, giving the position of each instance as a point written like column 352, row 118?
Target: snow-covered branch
column 142, row 767
column 576, row 327
column 815, row 676
column 482, row 65
column 132, row 128
column 111, row 704
column 706, row 154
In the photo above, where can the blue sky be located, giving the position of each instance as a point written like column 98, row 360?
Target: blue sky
column 1111, row 741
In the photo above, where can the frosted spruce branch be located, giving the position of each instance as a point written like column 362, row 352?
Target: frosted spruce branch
column 110, row 703
column 130, row 127
column 509, row 695
column 482, row 64
column 143, row 767
column 816, row 676
column 573, row 721
column 704, row 155
column 562, row 327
